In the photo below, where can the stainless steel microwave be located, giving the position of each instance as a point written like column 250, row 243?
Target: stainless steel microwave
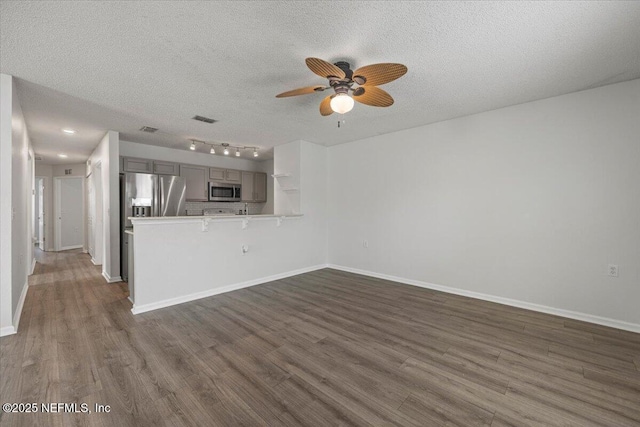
column 224, row 192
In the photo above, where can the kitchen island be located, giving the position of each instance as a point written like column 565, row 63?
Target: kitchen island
column 180, row 259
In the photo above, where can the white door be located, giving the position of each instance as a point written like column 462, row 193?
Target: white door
column 69, row 213
column 91, row 214
column 40, row 212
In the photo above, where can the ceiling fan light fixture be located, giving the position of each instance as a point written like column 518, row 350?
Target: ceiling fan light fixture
column 192, row 147
column 226, row 151
column 237, row 152
column 255, row 152
column 213, row 150
column 342, row 103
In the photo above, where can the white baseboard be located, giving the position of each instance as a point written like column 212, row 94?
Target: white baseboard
column 605, row 321
column 137, row 309
column 110, row 279
column 94, row 262
column 7, row 330
column 33, row 266
column 18, row 313
column 68, row 248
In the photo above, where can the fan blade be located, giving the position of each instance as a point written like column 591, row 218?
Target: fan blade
column 324, row 68
column 302, row 91
column 374, row 96
column 325, row 106
column 379, row 74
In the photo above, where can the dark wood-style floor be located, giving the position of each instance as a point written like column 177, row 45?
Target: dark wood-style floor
column 321, row 349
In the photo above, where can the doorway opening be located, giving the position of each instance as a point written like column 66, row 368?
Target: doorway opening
column 39, row 221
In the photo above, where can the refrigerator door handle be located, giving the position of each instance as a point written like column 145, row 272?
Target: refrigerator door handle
column 161, row 198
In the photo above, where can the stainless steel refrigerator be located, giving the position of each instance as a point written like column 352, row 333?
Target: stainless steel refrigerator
column 145, row 195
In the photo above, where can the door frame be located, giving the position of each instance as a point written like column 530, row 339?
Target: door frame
column 56, row 210
column 43, row 237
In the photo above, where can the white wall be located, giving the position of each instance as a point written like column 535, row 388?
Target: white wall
column 107, row 155
column 48, row 172
column 529, row 203
column 16, row 205
column 286, row 161
column 6, row 310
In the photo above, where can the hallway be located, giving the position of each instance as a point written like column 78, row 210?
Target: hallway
column 57, row 352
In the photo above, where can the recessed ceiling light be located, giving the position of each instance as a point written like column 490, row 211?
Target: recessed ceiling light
column 64, row 156
column 69, row 131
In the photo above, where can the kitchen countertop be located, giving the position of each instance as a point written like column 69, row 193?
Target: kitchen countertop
column 211, row 217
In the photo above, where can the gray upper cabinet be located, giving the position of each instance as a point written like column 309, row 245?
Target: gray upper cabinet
column 226, row 175
column 247, row 192
column 254, row 187
column 233, row 175
column 260, row 186
column 216, row 174
column 196, row 178
column 166, row 168
column 132, row 164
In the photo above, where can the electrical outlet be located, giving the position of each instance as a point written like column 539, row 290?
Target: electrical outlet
column 365, row 243
column 613, row 270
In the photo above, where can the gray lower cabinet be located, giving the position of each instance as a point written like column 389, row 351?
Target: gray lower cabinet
column 196, row 178
column 254, row 187
column 166, row 168
column 132, row 164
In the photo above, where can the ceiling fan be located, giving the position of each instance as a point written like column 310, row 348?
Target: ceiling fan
column 342, row 79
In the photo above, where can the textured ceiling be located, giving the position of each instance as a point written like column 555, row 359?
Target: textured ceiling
column 121, row 65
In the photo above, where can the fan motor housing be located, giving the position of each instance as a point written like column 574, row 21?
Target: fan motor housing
column 346, row 67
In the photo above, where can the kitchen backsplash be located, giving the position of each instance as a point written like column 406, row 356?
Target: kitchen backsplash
column 196, row 208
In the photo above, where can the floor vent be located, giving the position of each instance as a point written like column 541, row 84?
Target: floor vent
column 203, row 119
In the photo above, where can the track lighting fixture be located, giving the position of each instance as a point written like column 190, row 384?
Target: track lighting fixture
column 226, row 148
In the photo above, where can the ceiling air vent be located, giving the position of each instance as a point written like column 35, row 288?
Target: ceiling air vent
column 203, row 119
column 148, row 129
column 38, row 157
